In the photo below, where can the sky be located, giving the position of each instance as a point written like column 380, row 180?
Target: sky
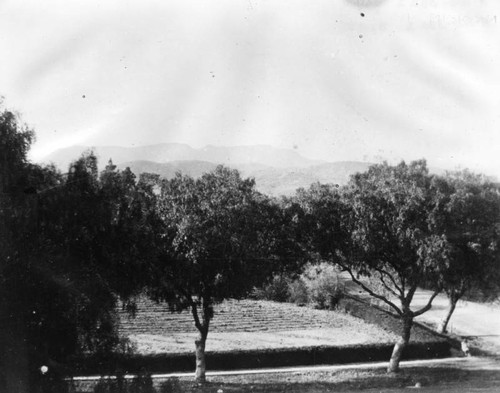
column 336, row 80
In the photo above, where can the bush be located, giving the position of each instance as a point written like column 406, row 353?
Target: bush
column 322, row 284
column 297, row 291
column 276, row 290
column 318, row 284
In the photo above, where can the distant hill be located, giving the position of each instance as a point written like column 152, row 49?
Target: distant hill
column 271, row 181
column 285, row 181
column 168, row 152
column 276, row 171
column 168, row 170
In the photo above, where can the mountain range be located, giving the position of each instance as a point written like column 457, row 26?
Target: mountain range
column 276, row 171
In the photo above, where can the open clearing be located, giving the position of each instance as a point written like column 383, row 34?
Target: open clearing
column 249, row 324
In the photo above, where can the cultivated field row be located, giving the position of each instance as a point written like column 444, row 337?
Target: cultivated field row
column 249, row 324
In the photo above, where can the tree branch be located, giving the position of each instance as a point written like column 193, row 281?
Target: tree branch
column 409, row 297
column 384, row 272
column 427, row 306
column 194, row 311
column 403, row 287
column 462, row 288
column 387, row 286
column 207, row 315
column 370, row 292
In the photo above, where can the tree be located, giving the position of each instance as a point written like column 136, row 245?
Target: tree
column 322, row 219
column 468, row 213
column 15, row 218
column 392, row 241
column 33, row 302
column 60, row 256
column 99, row 231
column 130, row 239
column 218, row 244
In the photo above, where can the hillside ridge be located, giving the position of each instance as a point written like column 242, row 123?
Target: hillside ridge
column 276, row 171
column 167, row 152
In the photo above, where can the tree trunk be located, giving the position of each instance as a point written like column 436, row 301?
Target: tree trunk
column 453, row 297
column 200, row 358
column 202, row 324
column 399, row 347
column 443, row 326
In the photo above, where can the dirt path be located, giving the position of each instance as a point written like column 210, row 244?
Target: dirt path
column 471, row 319
column 479, row 321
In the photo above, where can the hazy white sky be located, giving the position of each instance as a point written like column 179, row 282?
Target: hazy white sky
column 409, row 79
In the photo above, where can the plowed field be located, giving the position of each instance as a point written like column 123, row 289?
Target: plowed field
column 248, row 324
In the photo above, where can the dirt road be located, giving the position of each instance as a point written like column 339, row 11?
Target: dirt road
column 471, row 319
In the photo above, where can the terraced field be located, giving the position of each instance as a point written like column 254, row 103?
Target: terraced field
column 230, row 316
column 249, row 324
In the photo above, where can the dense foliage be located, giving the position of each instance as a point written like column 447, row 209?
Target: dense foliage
column 377, row 230
column 468, row 214
column 70, row 245
column 221, row 238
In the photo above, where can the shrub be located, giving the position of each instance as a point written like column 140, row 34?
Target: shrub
column 276, row 290
column 297, row 292
column 322, row 284
column 318, row 284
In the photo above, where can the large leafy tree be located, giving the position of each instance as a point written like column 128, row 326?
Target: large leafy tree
column 70, row 244
column 392, row 241
column 16, row 226
column 218, row 244
column 468, row 214
column 99, row 232
column 33, row 303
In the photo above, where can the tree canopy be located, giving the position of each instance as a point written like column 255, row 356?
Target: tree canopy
column 391, row 239
column 322, row 219
column 70, row 245
column 219, row 242
column 468, row 214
